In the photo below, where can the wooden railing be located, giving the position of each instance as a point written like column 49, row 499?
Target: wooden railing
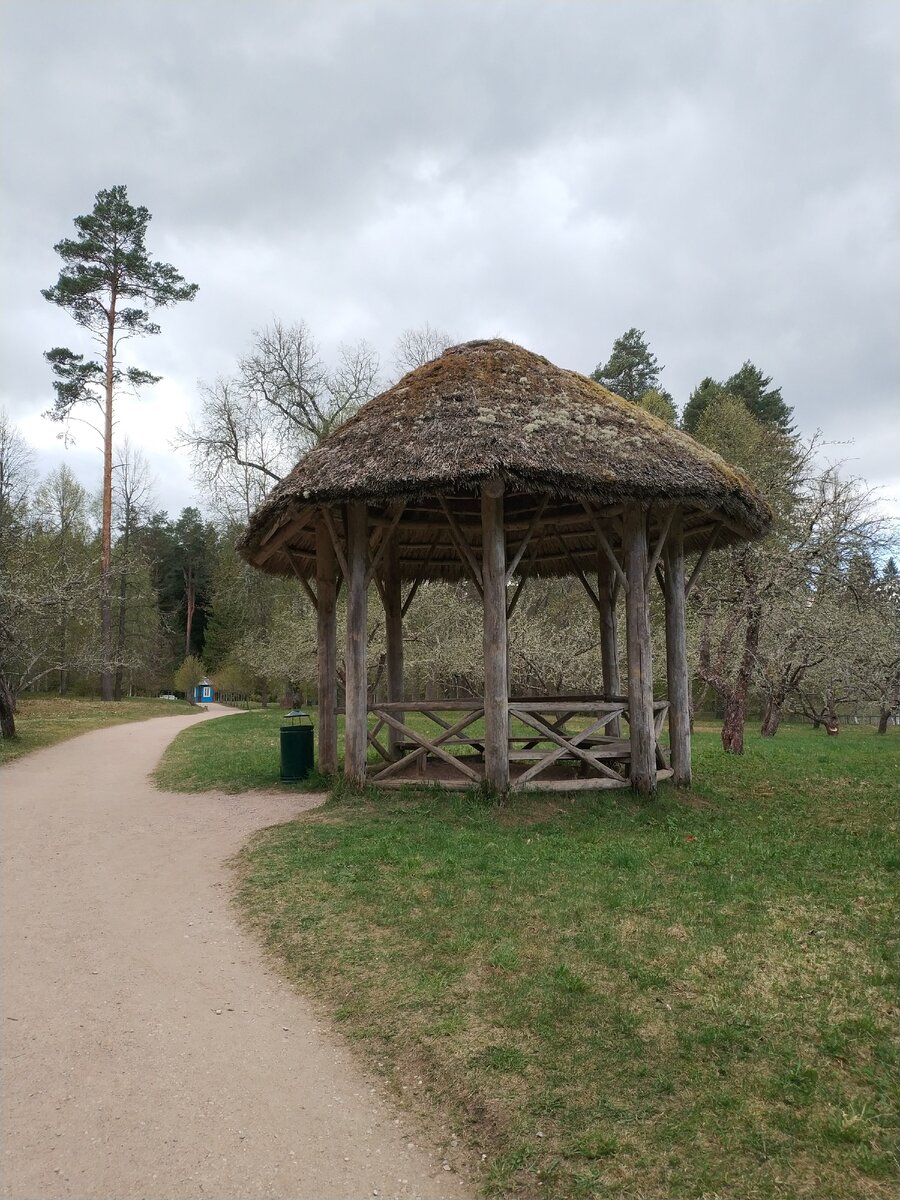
column 555, row 744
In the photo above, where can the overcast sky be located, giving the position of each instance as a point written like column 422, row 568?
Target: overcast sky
column 722, row 175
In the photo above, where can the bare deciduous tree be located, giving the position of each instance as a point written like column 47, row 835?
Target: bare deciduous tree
column 283, row 400
column 39, row 587
column 415, row 347
column 16, row 474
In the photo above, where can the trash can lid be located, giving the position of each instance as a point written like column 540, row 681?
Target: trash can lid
column 297, row 714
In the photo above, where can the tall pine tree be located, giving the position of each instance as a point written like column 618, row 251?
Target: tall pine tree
column 752, row 388
column 632, row 368
column 109, row 285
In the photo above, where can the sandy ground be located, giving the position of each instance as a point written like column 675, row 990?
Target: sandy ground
column 148, row 1051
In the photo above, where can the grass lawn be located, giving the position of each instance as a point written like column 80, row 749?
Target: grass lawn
column 46, row 720
column 696, row 997
column 231, row 754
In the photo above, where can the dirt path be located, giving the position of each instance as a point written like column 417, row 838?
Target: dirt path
column 148, row 1051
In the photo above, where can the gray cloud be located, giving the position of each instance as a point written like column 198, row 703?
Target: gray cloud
column 721, row 175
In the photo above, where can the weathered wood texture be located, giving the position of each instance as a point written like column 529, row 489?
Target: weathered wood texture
column 640, row 666
column 424, row 744
column 326, row 641
column 496, row 677
column 392, row 598
column 607, row 590
column 355, row 740
column 677, row 673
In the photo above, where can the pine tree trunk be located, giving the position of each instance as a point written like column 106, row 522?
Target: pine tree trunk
column 120, row 639
column 189, row 602
column 7, row 709
column 106, row 679
column 120, row 634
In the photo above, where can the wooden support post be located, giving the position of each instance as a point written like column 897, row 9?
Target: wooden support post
column 676, row 656
column 357, row 702
column 640, row 665
column 496, row 671
column 609, row 636
column 392, row 599
column 326, row 642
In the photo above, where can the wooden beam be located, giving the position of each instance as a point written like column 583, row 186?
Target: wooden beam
column 516, row 519
column 392, row 600
column 410, row 595
column 379, row 588
column 570, row 745
column 449, row 558
column 578, row 571
column 553, row 756
column 326, row 649
column 463, row 548
column 302, row 580
column 414, row 586
column 355, row 662
column 520, row 586
column 678, row 675
column 429, row 747
column 328, row 518
column 606, row 547
column 270, row 533
column 523, row 545
column 372, row 736
column 640, row 663
column 517, row 592
column 276, row 538
column 387, row 539
column 496, row 676
column 577, row 785
column 720, row 519
column 698, row 566
column 424, row 745
column 607, row 591
column 660, row 542
column 570, row 705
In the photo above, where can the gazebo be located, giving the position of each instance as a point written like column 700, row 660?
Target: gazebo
column 493, row 465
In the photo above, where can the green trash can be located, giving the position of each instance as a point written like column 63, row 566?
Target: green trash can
column 297, row 759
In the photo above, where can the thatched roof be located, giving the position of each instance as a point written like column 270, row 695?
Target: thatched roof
column 487, row 409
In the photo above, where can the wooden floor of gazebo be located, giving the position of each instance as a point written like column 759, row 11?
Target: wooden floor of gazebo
column 555, row 744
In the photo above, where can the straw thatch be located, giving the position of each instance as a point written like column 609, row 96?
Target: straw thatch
column 486, row 409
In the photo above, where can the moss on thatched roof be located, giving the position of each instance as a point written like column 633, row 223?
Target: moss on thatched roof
column 492, row 409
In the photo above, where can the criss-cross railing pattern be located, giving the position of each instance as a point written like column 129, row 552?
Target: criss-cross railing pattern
column 594, row 744
column 415, row 746
column 558, row 744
